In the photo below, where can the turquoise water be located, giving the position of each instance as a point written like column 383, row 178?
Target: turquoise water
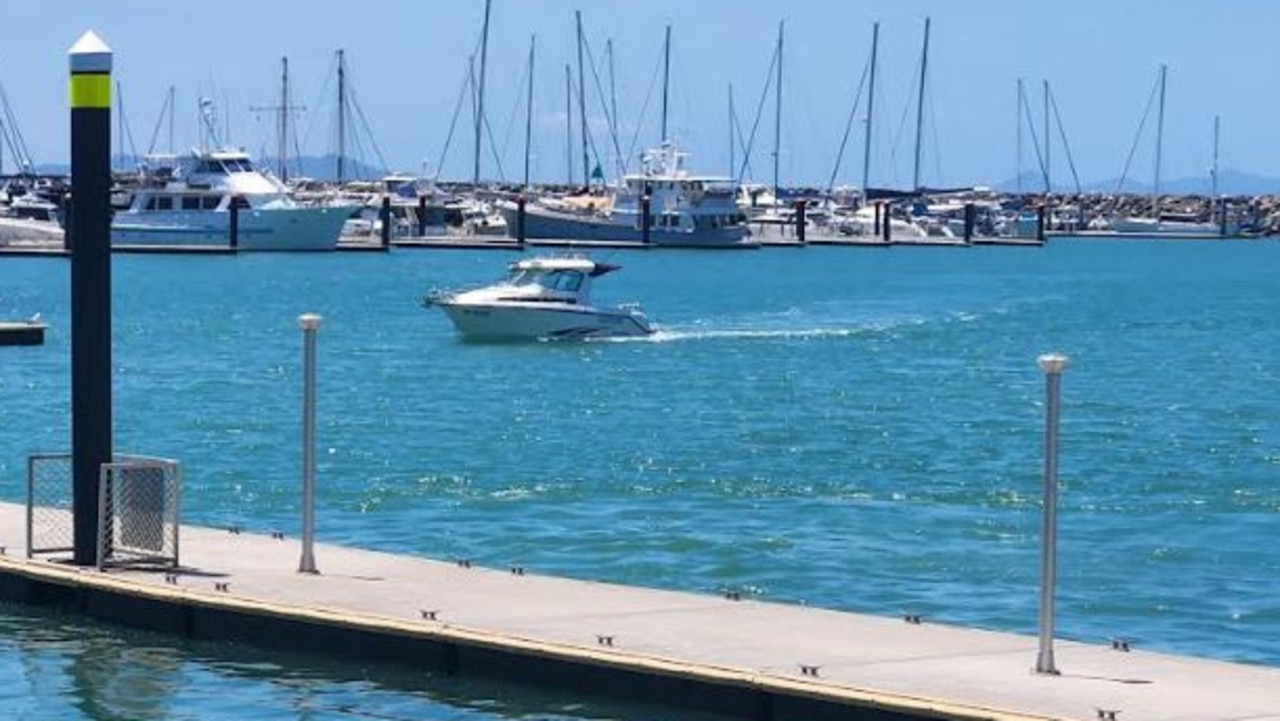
column 856, row 429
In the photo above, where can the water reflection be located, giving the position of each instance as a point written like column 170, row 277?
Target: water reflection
column 60, row 667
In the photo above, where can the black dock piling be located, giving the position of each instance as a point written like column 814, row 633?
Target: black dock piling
column 884, row 225
column 422, row 216
column 520, row 209
column 1222, row 218
column 1040, row 224
column 877, row 222
column 233, row 226
column 800, row 208
column 68, row 237
column 90, row 225
column 645, row 218
column 968, row 222
column 385, row 216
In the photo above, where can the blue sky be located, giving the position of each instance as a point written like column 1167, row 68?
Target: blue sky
column 407, row 61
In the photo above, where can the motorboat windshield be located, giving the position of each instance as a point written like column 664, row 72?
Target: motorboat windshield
column 568, row 281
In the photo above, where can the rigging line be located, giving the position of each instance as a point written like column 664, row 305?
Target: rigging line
column 364, row 123
column 1136, row 138
column 764, row 94
column 1035, row 141
column 933, row 127
column 648, row 95
column 493, row 147
column 848, row 126
column 324, row 89
column 453, row 123
column 591, row 142
column 155, row 133
column 515, row 108
column 17, row 144
column 742, row 143
column 902, row 124
column 613, row 122
column 1053, row 103
column 128, row 130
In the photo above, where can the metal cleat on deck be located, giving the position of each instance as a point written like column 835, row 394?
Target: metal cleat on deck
column 171, row 579
column 1107, row 714
column 278, row 535
column 428, row 615
column 222, row 586
column 809, row 670
column 1120, row 644
column 464, row 563
column 914, row 619
column 517, row 570
column 733, row 595
column 604, row 640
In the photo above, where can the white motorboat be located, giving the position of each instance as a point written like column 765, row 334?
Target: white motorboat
column 544, row 298
column 188, row 203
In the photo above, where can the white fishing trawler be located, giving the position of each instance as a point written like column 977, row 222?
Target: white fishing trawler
column 187, row 202
column 684, row 211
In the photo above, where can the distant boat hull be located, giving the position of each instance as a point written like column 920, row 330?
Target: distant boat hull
column 282, row 229
column 541, row 321
column 545, row 224
column 1150, row 226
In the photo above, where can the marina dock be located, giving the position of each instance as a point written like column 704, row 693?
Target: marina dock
column 21, row 333
column 740, row 658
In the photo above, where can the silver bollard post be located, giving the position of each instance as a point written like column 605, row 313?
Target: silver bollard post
column 1053, row 364
column 309, row 322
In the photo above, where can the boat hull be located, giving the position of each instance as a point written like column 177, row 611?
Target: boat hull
column 505, row 322
column 543, row 224
column 282, row 229
column 1147, row 226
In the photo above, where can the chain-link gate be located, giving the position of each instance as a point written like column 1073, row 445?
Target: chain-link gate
column 138, row 505
column 50, row 525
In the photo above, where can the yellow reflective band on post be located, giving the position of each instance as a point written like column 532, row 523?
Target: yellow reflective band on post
column 90, row 90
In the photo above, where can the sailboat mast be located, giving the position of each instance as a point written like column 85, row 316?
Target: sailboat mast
column 342, row 115
column 613, row 101
column 568, row 120
column 1159, row 140
column 528, row 113
column 732, row 145
column 171, row 114
column 1048, row 184
column 484, row 53
column 582, row 104
column 871, row 100
column 924, row 68
column 1214, row 176
column 666, row 80
column 777, row 116
column 1018, row 146
column 282, row 149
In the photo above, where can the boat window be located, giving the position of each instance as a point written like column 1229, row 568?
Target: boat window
column 190, row 202
column 164, row 202
column 210, row 202
column 151, row 203
column 566, row 280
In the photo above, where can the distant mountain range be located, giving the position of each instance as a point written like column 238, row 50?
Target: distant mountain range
column 1230, row 182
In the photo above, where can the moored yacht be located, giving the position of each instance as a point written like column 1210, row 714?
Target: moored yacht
column 545, row 298
column 188, row 203
column 692, row 211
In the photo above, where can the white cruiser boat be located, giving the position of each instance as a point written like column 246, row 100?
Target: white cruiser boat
column 188, row 203
column 541, row 299
column 690, row 211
